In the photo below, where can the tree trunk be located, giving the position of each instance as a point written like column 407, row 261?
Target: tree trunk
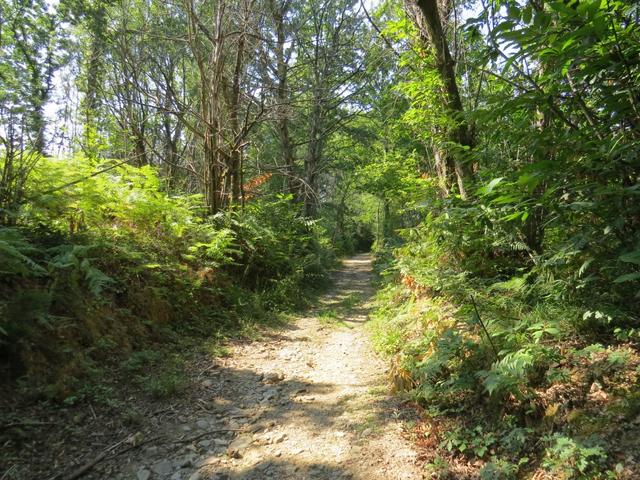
column 282, row 96
column 312, row 160
column 91, row 102
column 235, row 161
column 460, row 134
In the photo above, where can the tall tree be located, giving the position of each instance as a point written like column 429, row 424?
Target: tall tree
column 332, row 54
column 451, row 158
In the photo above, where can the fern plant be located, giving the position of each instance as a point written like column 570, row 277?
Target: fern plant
column 16, row 255
column 76, row 262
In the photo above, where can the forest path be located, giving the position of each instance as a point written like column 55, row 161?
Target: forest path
column 307, row 402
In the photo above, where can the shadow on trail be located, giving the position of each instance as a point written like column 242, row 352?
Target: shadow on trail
column 324, row 418
column 280, row 469
column 245, row 389
column 302, row 403
column 242, row 419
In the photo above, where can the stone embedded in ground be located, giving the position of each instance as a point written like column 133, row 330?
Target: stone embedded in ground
column 273, row 377
column 187, row 461
column 280, row 437
column 256, row 428
column 143, row 474
column 236, row 412
column 152, row 450
column 163, row 468
column 270, row 394
column 208, row 459
column 238, row 445
column 202, row 424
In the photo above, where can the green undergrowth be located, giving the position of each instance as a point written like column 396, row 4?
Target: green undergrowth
column 522, row 370
column 103, row 274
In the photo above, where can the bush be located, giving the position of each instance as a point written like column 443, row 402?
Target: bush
column 114, row 258
column 486, row 328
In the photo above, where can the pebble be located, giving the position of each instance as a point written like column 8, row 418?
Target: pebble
column 187, row 461
column 240, row 443
column 162, row 468
column 270, row 394
column 202, row 424
column 207, row 383
column 273, row 377
column 195, row 476
column 279, row 438
column 143, row 474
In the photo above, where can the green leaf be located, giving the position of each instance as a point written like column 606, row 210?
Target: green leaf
column 508, row 64
column 487, row 189
column 631, row 257
column 515, row 216
column 629, row 277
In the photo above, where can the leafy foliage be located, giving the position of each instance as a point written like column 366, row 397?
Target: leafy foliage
column 111, row 257
column 490, row 293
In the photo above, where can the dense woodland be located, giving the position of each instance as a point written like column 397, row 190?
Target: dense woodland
column 173, row 173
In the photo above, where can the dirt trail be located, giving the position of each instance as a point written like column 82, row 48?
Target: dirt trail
column 308, row 402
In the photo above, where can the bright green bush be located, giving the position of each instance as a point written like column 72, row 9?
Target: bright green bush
column 111, row 257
